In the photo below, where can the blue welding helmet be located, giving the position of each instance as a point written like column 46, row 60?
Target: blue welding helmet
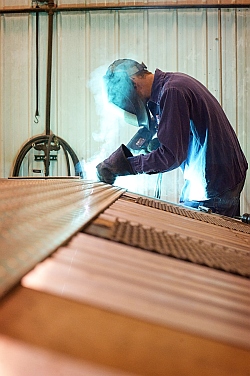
column 121, row 92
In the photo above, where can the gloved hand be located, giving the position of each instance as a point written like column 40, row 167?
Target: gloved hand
column 115, row 165
column 153, row 144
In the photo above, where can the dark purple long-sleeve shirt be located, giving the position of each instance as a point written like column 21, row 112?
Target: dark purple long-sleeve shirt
column 195, row 135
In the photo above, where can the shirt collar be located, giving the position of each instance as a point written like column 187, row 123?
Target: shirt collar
column 157, row 86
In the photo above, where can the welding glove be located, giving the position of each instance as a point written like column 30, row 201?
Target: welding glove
column 153, row 144
column 115, row 165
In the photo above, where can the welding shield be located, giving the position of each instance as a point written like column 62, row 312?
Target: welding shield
column 121, row 92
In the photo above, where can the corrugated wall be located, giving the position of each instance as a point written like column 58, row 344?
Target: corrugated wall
column 210, row 44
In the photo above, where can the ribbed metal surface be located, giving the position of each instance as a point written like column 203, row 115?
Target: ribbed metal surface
column 216, row 220
column 176, row 286
column 209, row 44
column 209, row 241
column 37, row 216
column 211, row 255
column 158, row 289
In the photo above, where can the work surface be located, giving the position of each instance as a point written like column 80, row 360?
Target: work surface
column 96, row 280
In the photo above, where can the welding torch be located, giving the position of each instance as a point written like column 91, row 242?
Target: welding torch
column 244, row 218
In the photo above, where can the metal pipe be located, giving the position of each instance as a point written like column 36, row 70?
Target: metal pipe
column 82, row 8
column 49, row 66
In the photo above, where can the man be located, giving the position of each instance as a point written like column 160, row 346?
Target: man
column 192, row 130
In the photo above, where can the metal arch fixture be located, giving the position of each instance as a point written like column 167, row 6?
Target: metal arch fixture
column 44, row 143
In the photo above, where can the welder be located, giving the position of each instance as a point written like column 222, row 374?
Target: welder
column 181, row 125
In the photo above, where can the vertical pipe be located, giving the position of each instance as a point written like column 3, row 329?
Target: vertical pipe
column 37, row 68
column 49, row 66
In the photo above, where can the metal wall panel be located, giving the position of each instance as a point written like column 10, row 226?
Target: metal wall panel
column 15, row 3
column 210, row 44
column 15, row 86
column 243, row 96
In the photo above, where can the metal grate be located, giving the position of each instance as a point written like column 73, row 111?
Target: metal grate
column 215, row 219
column 198, row 252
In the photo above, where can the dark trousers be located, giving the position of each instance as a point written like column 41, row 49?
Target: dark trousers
column 227, row 204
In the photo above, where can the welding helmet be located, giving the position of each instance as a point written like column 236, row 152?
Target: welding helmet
column 121, row 92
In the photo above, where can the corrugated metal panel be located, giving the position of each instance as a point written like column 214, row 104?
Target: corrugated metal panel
column 15, row 86
column 15, row 3
column 243, row 96
column 209, row 44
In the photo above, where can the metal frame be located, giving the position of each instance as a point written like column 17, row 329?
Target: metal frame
column 153, row 5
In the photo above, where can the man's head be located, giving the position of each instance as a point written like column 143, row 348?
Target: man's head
column 122, row 88
column 128, row 66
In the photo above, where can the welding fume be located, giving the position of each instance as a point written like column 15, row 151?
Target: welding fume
column 181, row 125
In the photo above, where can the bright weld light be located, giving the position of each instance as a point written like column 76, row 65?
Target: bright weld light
column 195, row 168
column 197, row 191
column 197, row 182
column 126, row 182
column 136, row 183
column 90, row 169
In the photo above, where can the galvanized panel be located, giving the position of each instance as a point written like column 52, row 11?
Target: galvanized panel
column 15, row 3
column 209, row 44
column 163, row 33
column 15, row 85
column 192, row 45
column 213, row 53
column 229, row 60
column 70, row 100
column 243, row 96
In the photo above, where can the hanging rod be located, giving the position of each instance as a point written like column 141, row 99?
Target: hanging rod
column 148, row 6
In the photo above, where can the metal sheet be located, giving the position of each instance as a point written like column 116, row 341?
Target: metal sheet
column 37, row 216
column 17, row 358
column 127, row 280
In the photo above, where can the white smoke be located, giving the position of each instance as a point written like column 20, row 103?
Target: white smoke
column 111, row 121
column 112, row 125
column 109, row 115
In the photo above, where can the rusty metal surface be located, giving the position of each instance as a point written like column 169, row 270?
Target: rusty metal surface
column 37, row 216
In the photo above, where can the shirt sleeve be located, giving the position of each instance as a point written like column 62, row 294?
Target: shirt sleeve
column 173, row 135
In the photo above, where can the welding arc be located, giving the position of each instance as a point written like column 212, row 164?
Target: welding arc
column 46, row 139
